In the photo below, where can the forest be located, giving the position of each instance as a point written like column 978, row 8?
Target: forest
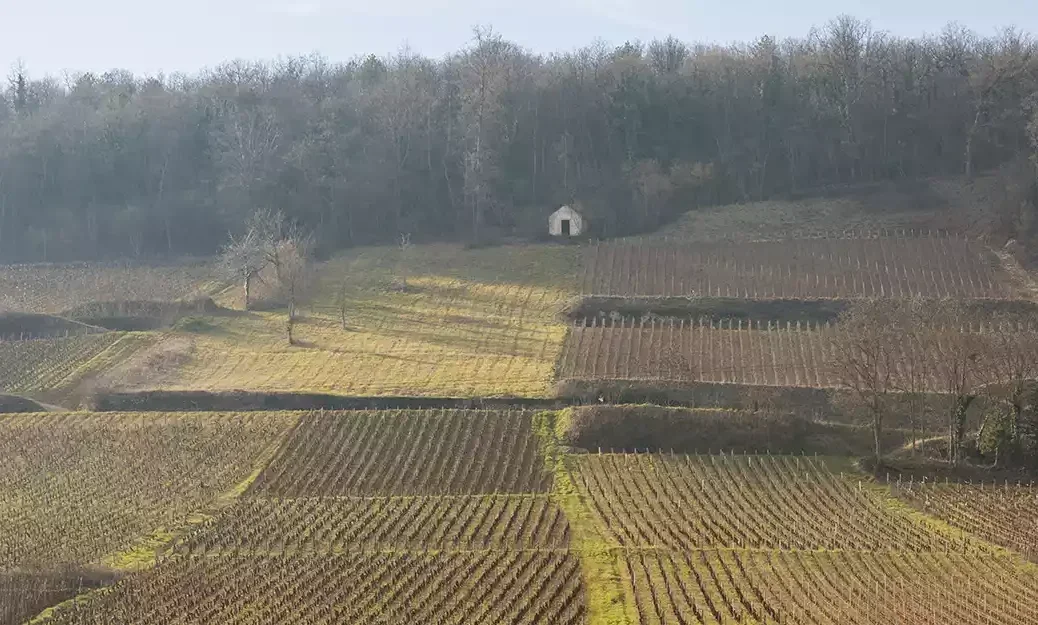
column 481, row 145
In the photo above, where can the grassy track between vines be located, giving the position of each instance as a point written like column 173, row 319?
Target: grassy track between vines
column 470, row 323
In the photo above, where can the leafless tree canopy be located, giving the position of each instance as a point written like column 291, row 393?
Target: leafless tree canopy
column 493, row 136
column 889, row 354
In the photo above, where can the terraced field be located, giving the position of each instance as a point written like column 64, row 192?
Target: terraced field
column 49, row 366
column 407, row 453
column 750, row 502
column 1005, row 514
column 785, row 539
column 54, row 288
column 77, row 488
column 680, row 350
column 817, row 268
column 333, row 525
column 384, row 517
column 491, row 588
column 854, row 587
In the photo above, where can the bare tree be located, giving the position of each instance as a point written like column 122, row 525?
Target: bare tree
column 865, row 353
column 1010, row 365
column 404, row 246
column 916, row 365
column 272, row 230
column 296, row 275
column 243, row 259
column 958, row 367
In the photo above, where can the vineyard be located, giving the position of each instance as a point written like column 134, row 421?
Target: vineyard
column 830, row 588
column 821, row 268
column 721, row 539
column 335, row 525
column 50, row 365
column 736, row 352
column 407, row 453
column 372, row 517
column 475, row 588
column 1005, row 514
column 680, row 350
column 76, row 488
column 54, row 288
column 751, row 502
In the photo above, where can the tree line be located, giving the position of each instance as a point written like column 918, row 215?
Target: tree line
column 485, row 142
column 936, row 358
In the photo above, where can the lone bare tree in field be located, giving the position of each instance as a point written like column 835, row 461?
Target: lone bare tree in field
column 296, row 270
column 865, row 353
column 243, row 259
column 404, row 245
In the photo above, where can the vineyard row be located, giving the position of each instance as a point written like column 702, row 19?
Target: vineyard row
column 407, row 453
column 330, row 525
column 75, row 488
column 494, row 588
column 731, row 353
column 830, row 588
column 803, row 269
column 759, row 502
column 1004, row 514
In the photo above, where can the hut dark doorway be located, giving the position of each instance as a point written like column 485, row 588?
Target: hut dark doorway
column 565, row 227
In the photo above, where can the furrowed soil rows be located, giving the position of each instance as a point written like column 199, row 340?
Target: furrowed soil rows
column 53, row 288
column 407, row 453
column 1004, row 514
column 759, row 502
column 683, row 350
column 48, row 364
column 492, row 588
column 334, row 525
column 836, row 268
column 726, row 352
column 830, row 588
column 77, row 487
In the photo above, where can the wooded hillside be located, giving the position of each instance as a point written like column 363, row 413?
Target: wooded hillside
column 488, row 140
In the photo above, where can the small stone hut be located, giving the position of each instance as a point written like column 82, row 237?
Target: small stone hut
column 566, row 222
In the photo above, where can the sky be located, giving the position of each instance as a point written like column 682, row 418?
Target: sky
column 51, row 37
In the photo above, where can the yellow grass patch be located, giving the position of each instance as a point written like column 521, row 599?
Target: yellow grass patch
column 470, row 323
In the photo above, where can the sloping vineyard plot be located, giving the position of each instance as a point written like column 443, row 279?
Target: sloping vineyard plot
column 934, row 266
column 830, row 588
column 334, row 525
column 759, row 502
column 492, row 588
column 53, row 288
column 687, row 351
column 75, row 488
column 1006, row 514
column 407, row 453
column 729, row 352
column 47, row 364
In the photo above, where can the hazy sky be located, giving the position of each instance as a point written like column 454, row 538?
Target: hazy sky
column 148, row 36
